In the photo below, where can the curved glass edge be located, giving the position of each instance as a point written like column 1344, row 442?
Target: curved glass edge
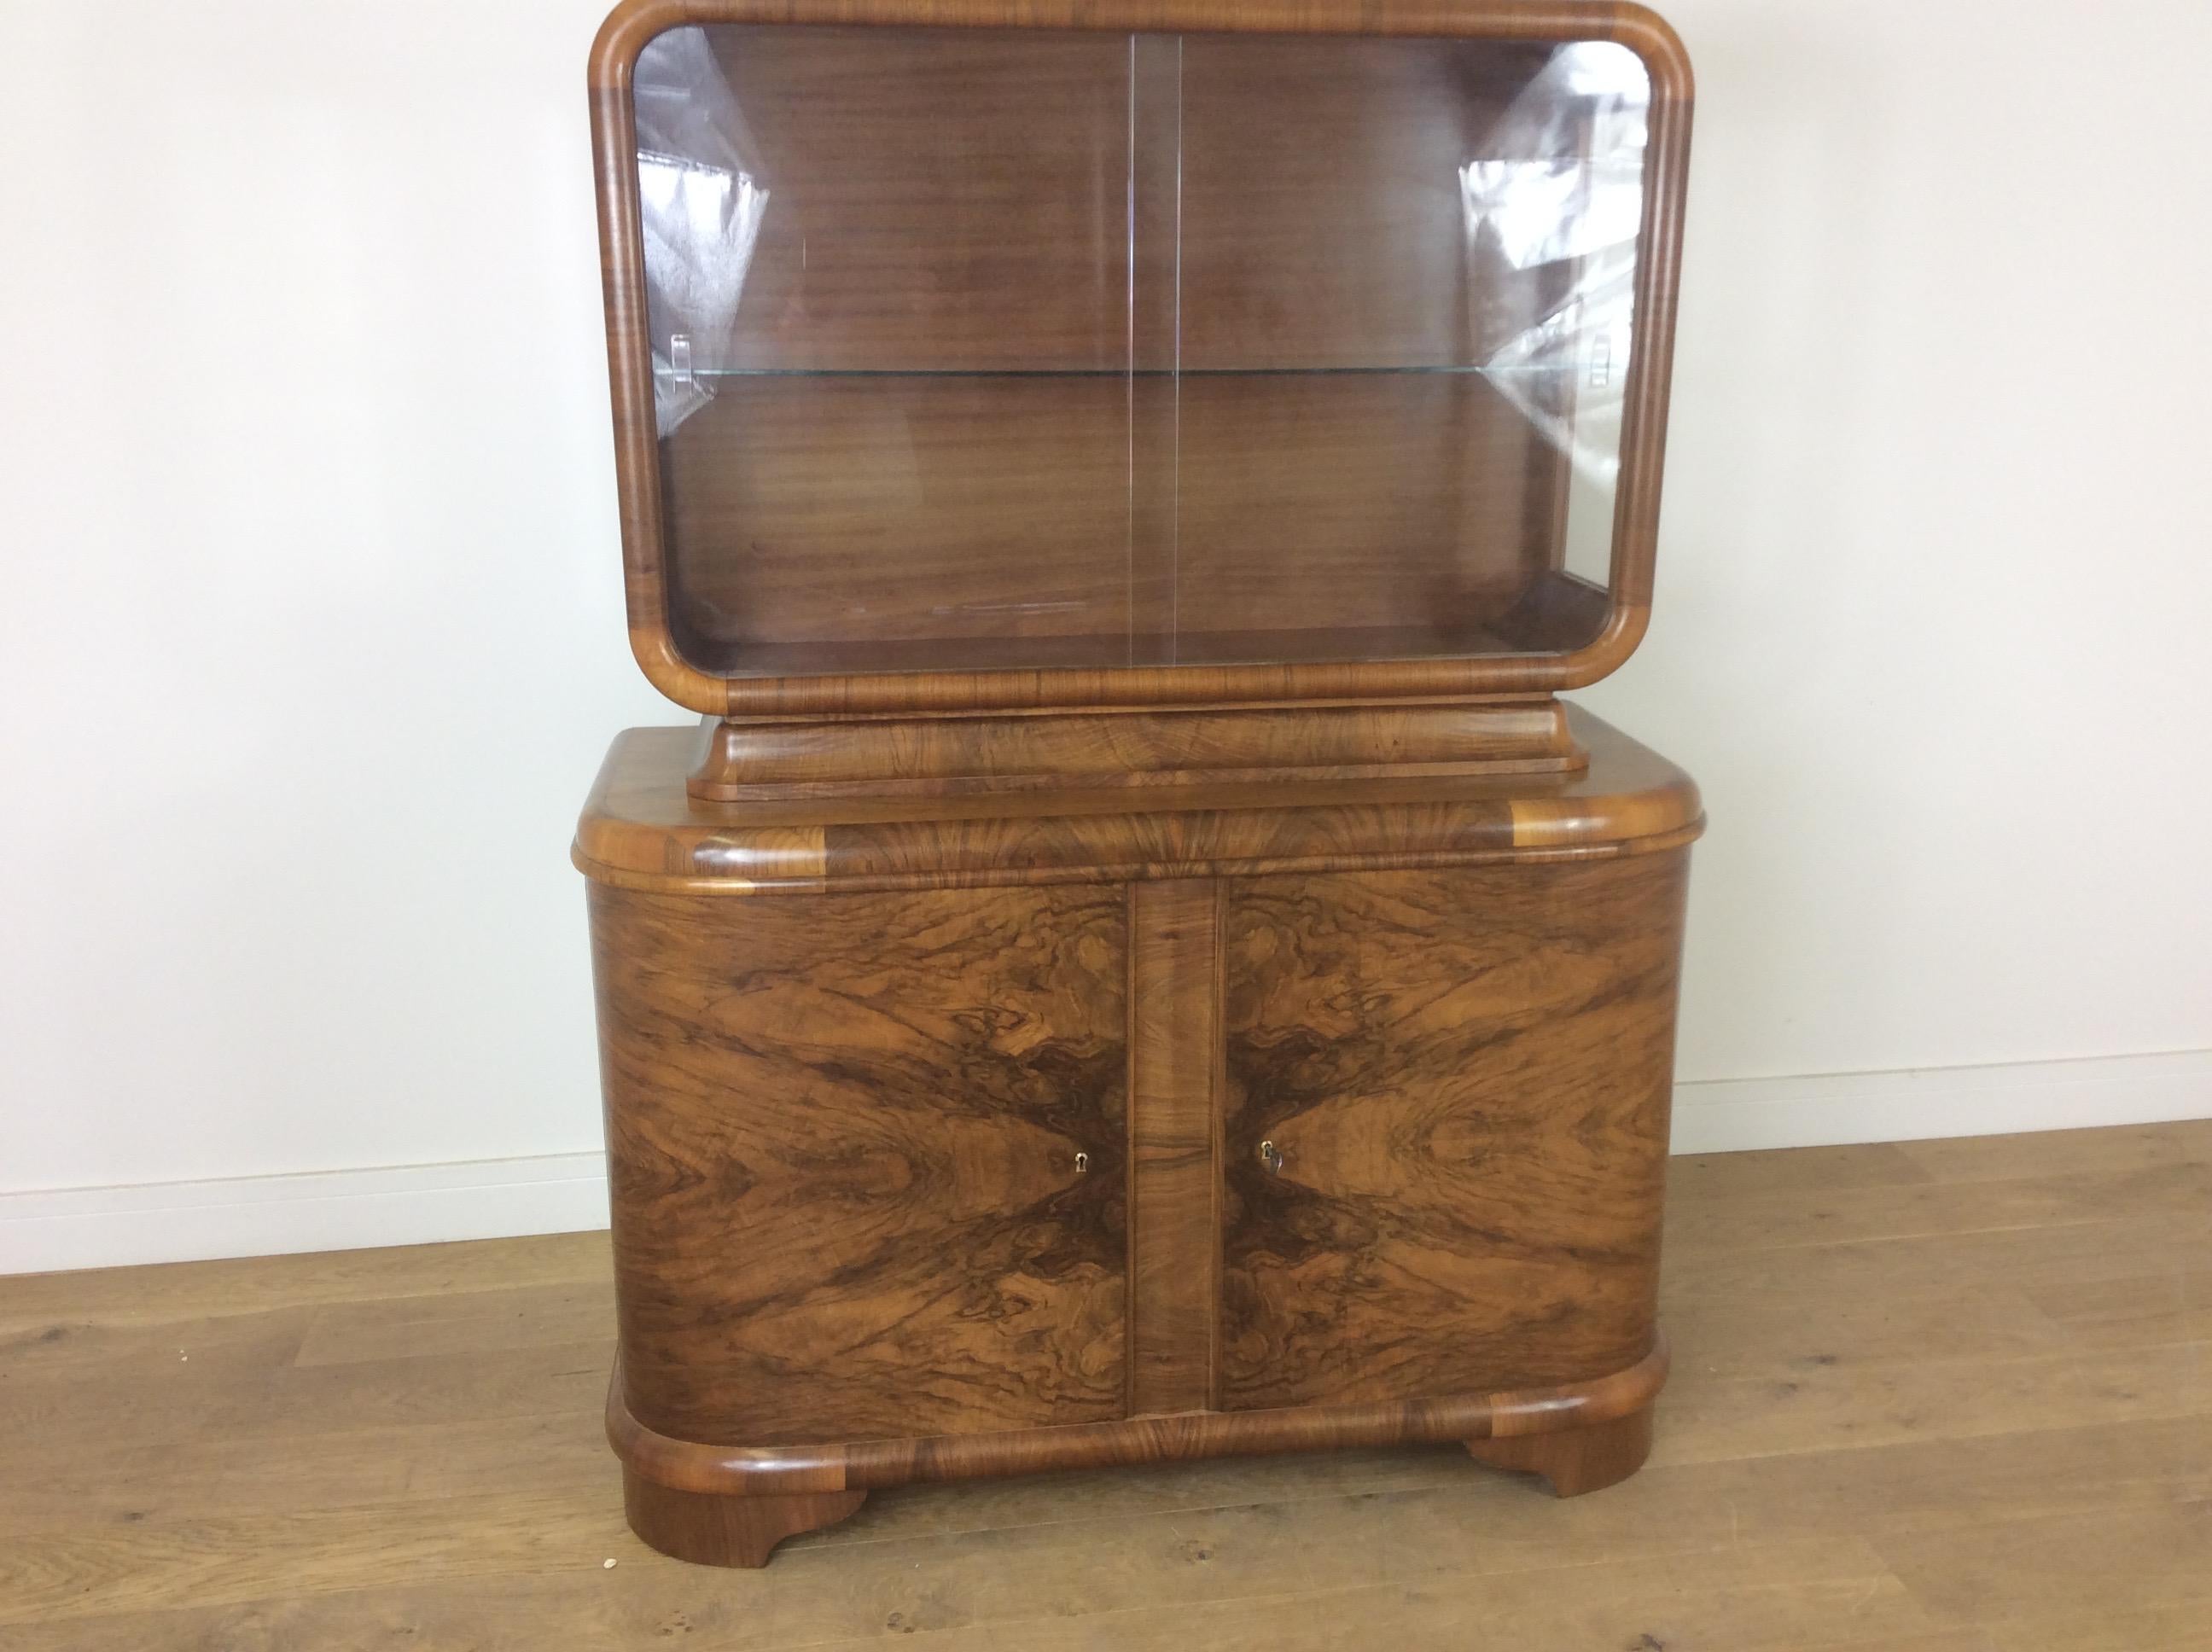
column 1555, row 191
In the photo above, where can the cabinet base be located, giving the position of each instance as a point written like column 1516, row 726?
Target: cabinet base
column 731, row 1505
column 742, row 1529
column 1576, row 1460
column 719, row 1530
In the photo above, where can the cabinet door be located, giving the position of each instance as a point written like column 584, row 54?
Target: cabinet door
column 867, row 1159
column 1444, row 1127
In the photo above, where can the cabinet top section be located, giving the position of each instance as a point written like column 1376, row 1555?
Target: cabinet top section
column 975, row 356
column 638, row 830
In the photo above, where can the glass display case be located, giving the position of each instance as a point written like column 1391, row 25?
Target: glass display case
column 1035, row 352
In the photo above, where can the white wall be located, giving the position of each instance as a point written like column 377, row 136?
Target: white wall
column 308, row 475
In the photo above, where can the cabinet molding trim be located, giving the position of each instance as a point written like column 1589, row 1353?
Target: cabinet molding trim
column 1174, row 1144
column 690, row 1465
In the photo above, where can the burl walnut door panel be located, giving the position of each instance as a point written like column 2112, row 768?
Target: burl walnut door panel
column 843, row 1133
column 1462, row 1077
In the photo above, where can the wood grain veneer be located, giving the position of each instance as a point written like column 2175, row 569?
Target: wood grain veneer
column 640, row 829
column 1359, row 500
column 940, row 199
column 1175, row 1130
column 738, row 762
column 959, row 200
column 1574, row 1460
column 860, row 513
column 889, row 524
column 1529, row 1414
column 724, row 1531
column 842, row 1137
column 1464, row 1078
column 938, row 1152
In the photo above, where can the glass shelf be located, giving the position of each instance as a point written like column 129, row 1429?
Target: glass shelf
column 998, row 350
column 1082, row 372
column 1516, row 634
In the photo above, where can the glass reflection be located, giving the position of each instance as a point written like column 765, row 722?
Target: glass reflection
column 702, row 205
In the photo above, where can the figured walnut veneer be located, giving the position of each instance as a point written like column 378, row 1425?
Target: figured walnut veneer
column 1445, row 1064
column 945, row 1158
column 641, row 830
column 1174, row 1144
column 739, row 762
column 842, row 1138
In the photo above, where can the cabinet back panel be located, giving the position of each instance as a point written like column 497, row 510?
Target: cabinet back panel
column 960, row 199
column 904, row 509
column 1399, row 500
column 1321, row 218
column 937, row 198
column 898, row 510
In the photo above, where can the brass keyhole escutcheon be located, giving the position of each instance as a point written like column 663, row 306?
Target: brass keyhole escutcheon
column 1082, row 1163
column 1271, row 1157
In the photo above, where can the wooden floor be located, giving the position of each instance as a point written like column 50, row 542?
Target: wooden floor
column 1942, row 1397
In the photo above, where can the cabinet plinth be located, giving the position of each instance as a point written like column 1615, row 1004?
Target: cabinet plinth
column 1002, row 1133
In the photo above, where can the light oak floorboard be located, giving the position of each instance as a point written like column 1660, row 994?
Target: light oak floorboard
column 1997, row 1158
column 1801, row 1216
column 1932, row 1397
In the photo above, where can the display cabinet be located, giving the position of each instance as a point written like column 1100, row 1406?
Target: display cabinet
column 1136, row 960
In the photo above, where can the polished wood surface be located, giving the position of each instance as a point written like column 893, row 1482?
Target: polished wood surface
column 1358, row 501
column 1173, row 1436
column 961, row 200
column 866, row 1160
column 1573, row 1461
column 1438, row 637
column 711, row 1531
column 947, row 200
column 815, row 520
column 939, row 1182
column 884, row 757
column 1174, row 1144
column 986, row 523
column 685, row 645
column 640, row 829
column 1323, row 221
column 1445, row 1126
column 1930, row 1397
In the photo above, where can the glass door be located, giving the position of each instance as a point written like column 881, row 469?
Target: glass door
column 1015, row 349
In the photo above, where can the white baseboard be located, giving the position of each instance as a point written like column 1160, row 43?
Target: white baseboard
column 1728, row 1115
column 268, row 1216
column 488, row 1199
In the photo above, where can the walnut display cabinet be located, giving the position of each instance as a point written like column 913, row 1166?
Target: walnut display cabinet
column 1135, row 961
